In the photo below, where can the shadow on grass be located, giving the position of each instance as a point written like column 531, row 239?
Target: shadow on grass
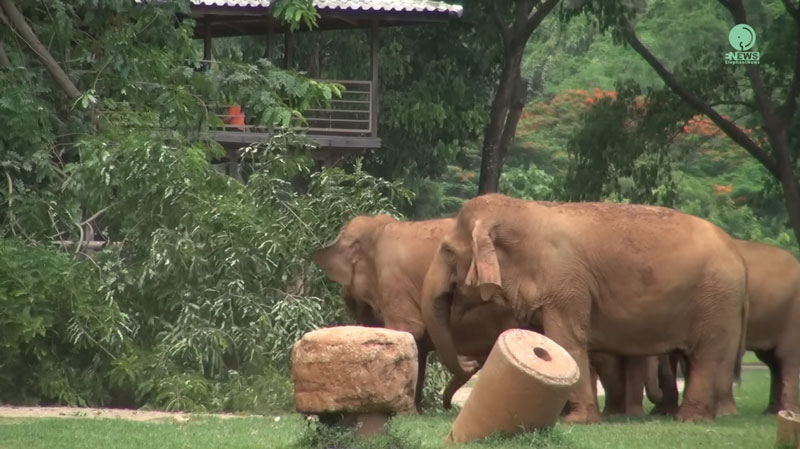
column 542, row 438
column 321, row 436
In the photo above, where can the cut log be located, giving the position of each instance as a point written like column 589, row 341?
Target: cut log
column 788, row 431
column 523, row 386
column 354, row 369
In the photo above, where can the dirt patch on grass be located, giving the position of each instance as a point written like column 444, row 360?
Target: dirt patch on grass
column 102, row 413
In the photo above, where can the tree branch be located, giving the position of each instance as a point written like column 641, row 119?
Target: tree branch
column 729, row 128
column 18, row 21
column 4, row 61
column 733, row 103
column 536, row 17
column 725, row 3
column 790, row 105
column 763, row 101
column 505, row 32
column 794, row 10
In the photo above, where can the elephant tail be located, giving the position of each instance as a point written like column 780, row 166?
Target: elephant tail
column 737, row 368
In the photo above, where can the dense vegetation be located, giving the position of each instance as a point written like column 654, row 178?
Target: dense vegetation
column 210, row 281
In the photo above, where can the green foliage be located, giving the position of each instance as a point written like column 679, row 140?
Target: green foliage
column 210, row 281
column 51, row 307
column 624, row 138
column 295, row 11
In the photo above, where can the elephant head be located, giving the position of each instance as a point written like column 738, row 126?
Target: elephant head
column 466, row 267
column 347, row 262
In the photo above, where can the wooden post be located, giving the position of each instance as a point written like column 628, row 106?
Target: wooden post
column 288, row 51
column 233, row 164
column 207, row 43
column 270, row 39
column 374, row 50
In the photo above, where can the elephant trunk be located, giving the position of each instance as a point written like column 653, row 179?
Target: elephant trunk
column 437, row 298
column 450, row 390
column 653, row 392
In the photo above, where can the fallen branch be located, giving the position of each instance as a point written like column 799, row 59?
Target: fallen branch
column 89, row 244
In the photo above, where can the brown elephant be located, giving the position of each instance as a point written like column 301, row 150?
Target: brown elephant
column 381, row 262
column 620, row 376
column 773, row 333
column 631, row 279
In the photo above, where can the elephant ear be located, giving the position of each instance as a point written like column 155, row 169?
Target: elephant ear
column 337, row 260
column 484, row 270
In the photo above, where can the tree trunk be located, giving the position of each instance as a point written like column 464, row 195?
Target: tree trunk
column 503, row 119
column 788, row 179
column 18, row 21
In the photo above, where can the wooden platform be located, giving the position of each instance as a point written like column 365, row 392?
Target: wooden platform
column 237, row 139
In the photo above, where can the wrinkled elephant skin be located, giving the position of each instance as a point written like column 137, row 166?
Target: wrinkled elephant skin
column 634, row 280
column 773, row 333
column 381, row 262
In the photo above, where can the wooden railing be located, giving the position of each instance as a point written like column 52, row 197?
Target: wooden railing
column 352, row 114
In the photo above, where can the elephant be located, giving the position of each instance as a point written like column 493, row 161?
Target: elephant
column 629, row 279
column 618, row 375
column 381, row 262
column 773, row 283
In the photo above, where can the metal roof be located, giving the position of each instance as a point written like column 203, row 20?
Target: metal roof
column 353, row 5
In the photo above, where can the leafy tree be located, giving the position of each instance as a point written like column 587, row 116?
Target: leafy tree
column 514, row 22
column 205, row 282
column 768, row 90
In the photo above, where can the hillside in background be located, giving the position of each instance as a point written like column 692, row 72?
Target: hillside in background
column 571, row 69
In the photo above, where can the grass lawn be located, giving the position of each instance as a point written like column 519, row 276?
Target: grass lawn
column 748, row 429
column 751, row 359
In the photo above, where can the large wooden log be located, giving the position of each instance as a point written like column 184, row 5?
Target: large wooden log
column 355, row 369
column 788, row 431
column 523, row 386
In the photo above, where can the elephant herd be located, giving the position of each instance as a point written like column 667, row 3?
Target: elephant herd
column 628, row 290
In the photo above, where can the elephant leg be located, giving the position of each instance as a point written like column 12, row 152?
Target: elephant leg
column 699, row 398
column 635, row 369
column 726, row 405
column 668, row 383
column 682, row 364
column 775, row 384
column 593, row 379
column 610, row 373
column 422, row 354
column 561, row 327
column 790, row 370
column 709, row 389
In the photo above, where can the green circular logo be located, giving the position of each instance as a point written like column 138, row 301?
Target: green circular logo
column 742, row 37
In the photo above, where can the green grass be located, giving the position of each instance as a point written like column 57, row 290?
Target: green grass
column 748, row 429
column 750, row 359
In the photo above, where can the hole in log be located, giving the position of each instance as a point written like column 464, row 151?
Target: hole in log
column 542, row 354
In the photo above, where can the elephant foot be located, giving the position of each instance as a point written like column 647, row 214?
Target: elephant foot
column 693, row 414
column 636, row 412
column 582, row 417
column 726, row 409
column 770, row 410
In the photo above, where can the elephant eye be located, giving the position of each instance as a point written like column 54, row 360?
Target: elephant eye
column 448, row 254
